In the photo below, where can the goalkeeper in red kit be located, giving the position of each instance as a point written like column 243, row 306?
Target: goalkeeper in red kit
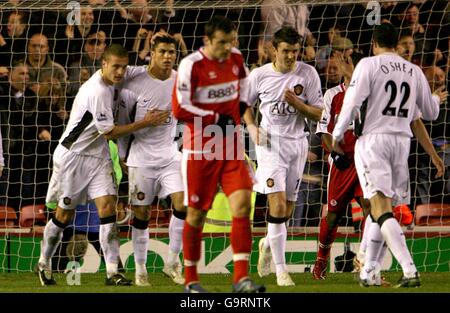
column 209, row 96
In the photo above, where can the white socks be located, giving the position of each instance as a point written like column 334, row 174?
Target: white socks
column 363, row 244
column 51, row 239
column 109, row 241
column 395, row 239
column 374, row 243
column 175, row 239
column 277, row 235
column 140, row 247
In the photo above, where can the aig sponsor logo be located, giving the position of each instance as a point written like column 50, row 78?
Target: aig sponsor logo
column 282, row 108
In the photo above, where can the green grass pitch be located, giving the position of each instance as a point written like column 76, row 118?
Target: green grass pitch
column 335, row 283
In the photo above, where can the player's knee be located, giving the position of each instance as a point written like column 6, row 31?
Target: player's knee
column 178, row 202
column 384, row 217
column 276, row 220
column 63, row 217
column 333, row 219
column 278, row 210
column 195, row 217
column 142, row 212
column 107, row 208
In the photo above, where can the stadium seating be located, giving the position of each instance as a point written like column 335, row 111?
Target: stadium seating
column 32, row 215
column 8, row 217
column 433, row 214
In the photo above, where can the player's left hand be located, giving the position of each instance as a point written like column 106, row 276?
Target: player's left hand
column 336, row 146
column 440, row 166
column 441, row 93
column 1, row 170
column 258, row 135
column 291, row 98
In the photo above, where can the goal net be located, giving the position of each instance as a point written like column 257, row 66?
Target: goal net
column 49, row 48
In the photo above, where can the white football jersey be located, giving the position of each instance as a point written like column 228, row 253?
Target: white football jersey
column 93, row 113
column 389, row 92
column 154, row 145
column 91, row 116
column 269, row 85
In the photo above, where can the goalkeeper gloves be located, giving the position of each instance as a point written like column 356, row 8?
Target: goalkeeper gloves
column 340, row 161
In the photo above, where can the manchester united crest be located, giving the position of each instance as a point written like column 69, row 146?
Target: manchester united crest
column 140, row 195
column 298, row 89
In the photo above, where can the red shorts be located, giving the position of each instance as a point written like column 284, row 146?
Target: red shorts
column 343, row 186
column 204, row 177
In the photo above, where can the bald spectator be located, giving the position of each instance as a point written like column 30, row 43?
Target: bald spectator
column 38, row 60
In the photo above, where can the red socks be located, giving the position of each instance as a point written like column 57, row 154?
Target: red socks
column 192, row 238
column 241, row 244
column 327, row 236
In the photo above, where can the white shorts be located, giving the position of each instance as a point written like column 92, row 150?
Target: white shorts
column 382, row 165
column 281, row 170
column 145, row 183
column 78, row 178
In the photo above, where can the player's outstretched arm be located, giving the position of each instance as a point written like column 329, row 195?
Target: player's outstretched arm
column 152, row 118
column 424, row 139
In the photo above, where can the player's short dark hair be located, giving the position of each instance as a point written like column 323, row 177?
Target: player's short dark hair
column 405, row 33
column 219, row 23
column 286, row 34
column 385, row 35
column 165, row 38
column 115, row 50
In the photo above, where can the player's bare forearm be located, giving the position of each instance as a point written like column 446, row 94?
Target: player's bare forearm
column 327, row 140
column 310, row 112
column 249, row 117
column 424, row 140
column 123, row 130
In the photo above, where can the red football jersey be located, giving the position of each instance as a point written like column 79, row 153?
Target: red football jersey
column 333, row 101
column 205, row 87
